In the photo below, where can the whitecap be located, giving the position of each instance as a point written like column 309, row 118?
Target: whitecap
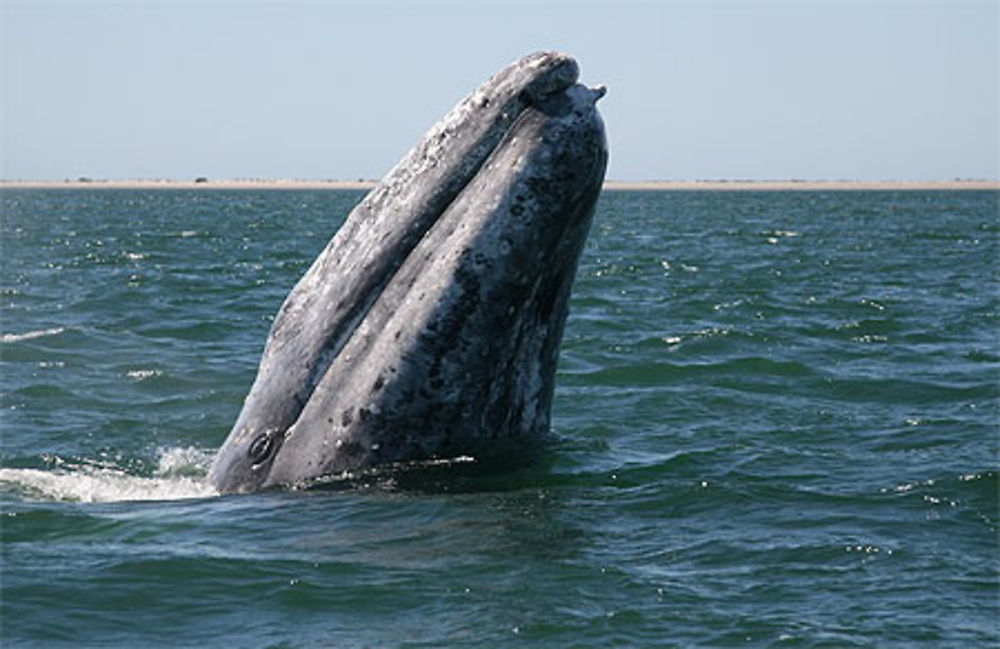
column 141, row 375
column 28, row 335
column 180, row 475
column 183, row 461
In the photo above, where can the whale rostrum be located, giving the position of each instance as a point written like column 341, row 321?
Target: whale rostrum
column 429, row 327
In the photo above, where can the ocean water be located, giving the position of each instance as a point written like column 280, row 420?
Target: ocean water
column 776, row 424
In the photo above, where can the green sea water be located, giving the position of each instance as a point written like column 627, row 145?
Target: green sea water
column 776, row 424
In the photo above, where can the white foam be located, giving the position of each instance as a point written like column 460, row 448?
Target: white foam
column 180, row 475
column 186, row 461
column 141, row 375
column 28, row 335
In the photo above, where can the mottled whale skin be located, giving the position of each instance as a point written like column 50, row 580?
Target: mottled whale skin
column 429, row 327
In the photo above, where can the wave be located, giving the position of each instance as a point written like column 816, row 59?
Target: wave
column 29, row 335
column 180, row 474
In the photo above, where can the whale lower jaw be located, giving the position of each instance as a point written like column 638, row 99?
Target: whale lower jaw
column 430, row 325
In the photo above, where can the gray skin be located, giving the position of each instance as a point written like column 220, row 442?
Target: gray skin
column 430, row 325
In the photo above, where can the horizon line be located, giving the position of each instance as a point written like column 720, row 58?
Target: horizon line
column 203, row 182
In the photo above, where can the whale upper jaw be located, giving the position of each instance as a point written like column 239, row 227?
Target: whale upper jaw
column 430, row 325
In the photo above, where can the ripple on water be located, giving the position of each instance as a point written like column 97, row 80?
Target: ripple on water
column 775, row 414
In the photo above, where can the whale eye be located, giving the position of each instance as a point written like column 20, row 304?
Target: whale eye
column 260, row 448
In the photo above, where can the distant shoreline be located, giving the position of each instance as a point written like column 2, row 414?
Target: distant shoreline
column 613, row 185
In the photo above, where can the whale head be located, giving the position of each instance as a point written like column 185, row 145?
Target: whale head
column 429, row 327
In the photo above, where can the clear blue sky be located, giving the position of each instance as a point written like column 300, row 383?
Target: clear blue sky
column 696, row 90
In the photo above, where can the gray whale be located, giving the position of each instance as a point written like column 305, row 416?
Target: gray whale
column 429, row 327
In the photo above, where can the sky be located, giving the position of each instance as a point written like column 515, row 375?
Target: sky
column 810, row 89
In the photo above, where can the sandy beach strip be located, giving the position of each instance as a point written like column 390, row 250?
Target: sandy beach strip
column 804, row 185
column 612, row 185
column 252, row 183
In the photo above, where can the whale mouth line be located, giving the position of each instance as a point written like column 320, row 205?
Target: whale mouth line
column 382, row 477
